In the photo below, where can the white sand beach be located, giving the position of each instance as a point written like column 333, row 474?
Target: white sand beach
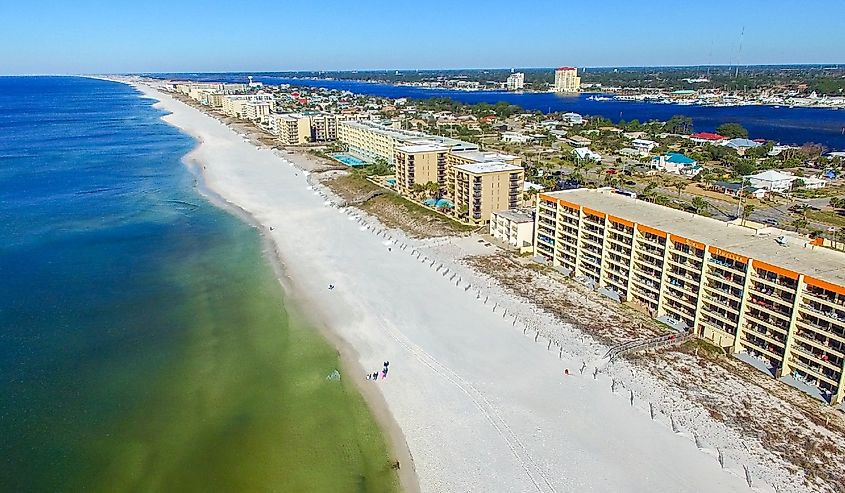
column 483, row 406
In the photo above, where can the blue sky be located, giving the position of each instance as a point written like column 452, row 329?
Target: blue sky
column 86, row 36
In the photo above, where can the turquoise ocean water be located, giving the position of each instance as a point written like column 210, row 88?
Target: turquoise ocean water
column 144, row 341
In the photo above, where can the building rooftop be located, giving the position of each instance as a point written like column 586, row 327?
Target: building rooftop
column 797, row 254
column 421, row 148
column 480, row 157
column 411, row 136
column 517, row 215
column 488, row 167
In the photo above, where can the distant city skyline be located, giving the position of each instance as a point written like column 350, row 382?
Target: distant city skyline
column 193, row 36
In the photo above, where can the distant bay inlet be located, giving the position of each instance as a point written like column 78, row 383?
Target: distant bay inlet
column 782, row 124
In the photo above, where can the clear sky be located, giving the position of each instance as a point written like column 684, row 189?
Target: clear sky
column 88, row 36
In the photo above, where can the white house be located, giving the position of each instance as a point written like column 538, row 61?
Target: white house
column 771, row 180
column 572, row 119
column 813, row 183
column 644, row 146
column 516, row 137
column 584, row 153
column 676, row 163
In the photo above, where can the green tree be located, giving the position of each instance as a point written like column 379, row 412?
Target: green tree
column 679, row 185
column 747, row 210
column 700, row 205
column 678, row 124
column 744, row 168
column 732, row 131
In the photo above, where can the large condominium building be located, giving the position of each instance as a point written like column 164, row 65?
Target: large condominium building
column 292, row 128
column 257, row 110
column 775, row 299
column 457, row 158
column 371, row 141
column 482, row 188
column 567, row 80
column 515, row 81
column 301, row 128
column 234, row 104
column 419, row 165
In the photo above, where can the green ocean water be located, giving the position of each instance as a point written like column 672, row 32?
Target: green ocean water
column 145, row 342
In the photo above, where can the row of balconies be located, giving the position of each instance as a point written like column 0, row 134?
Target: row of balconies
column 739, row 267
column 825, row 295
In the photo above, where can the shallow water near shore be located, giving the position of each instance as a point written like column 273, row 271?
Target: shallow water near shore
column 144, row 339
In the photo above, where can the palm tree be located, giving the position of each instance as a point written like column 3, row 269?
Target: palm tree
column 679, row 185
column 746, row 212
column 700, row 205
column 419, row 190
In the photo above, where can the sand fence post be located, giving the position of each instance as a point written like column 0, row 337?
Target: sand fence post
column 651, row 410
column 672, row 422
column 549, row 347
column 583, row 367
column 536, row 335
column 721, row 457
column 748, row 476
column 613, row 385
column 632, row 398
column 595, row 373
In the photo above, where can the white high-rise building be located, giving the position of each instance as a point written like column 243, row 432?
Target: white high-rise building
column 567, row 80
column 515, row 82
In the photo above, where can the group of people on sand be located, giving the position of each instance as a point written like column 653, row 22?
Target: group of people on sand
column 382, row 373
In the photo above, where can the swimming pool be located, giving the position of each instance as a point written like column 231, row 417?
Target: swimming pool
column 348, row 160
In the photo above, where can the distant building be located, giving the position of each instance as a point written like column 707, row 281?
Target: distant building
column 741, row 145
column 481, row 189
column 516, row 137
column 572, row 119
column 515, row 82
column 771, row 180
column 514, row 227
column 370, row 141
column 812, row 183
column 707, row 138
column 644, row 146
column 235, row 104
column 676, row 163
column 567, row 80
column 585, row 154
column 578, row 141
column 292, row 128
column 733, row 189
column 257, row 110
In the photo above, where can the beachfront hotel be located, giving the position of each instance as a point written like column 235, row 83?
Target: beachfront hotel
column 291, row 128
column 567, row 80
column 236, row 104
column 774, row 299
column 483, row 188
column 371, row 141
column 418, row 165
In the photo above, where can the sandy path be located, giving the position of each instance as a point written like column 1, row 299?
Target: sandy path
column 483, row 407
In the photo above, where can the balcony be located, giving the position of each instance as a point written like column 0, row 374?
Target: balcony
column 731, row 265
column 773, row 336
column 724, row 276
